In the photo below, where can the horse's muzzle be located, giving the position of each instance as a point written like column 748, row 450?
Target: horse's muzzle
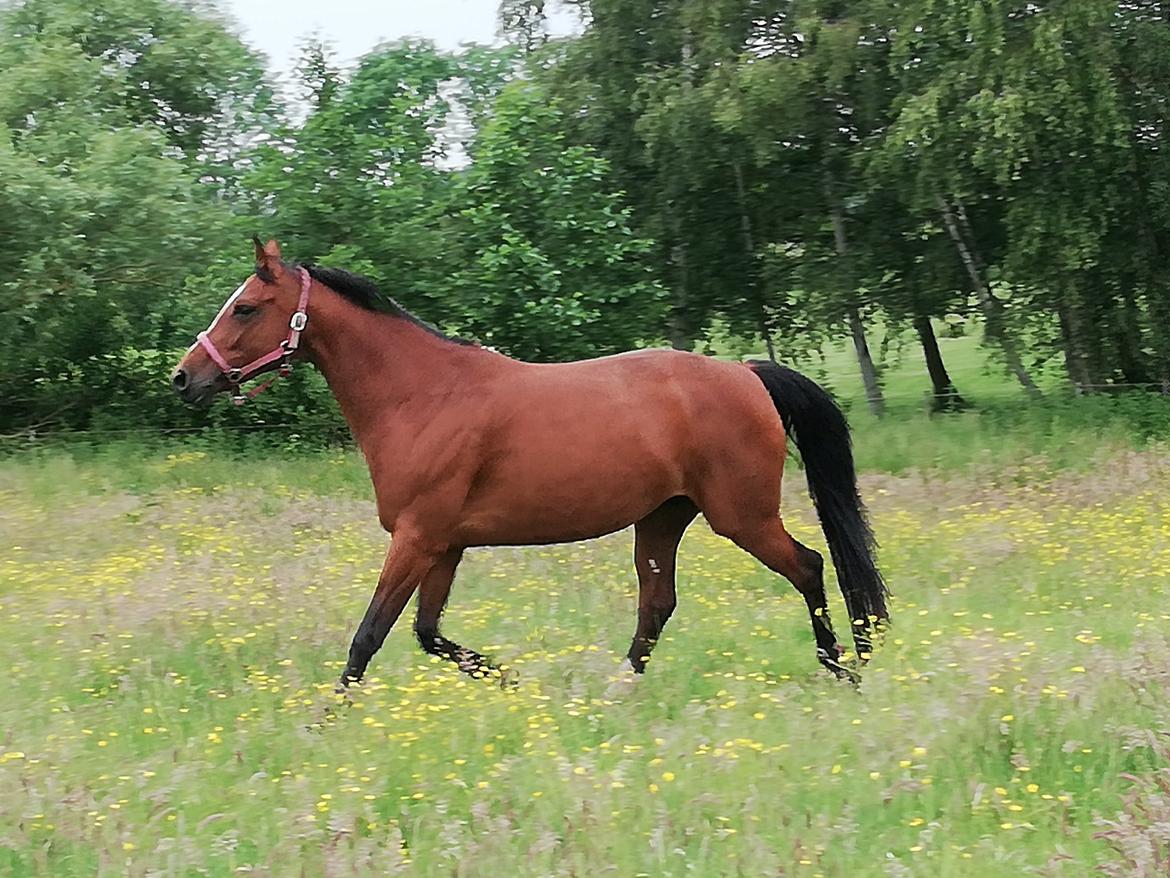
column 192, row 391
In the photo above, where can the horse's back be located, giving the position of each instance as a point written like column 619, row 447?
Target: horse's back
column 674, row 396
column 696, row 403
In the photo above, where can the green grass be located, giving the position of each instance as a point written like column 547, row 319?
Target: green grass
column 171, row 646
column 898, row 356
column 905, row 383
column 1003, row 429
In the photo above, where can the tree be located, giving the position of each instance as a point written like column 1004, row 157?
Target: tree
column 104, row 217
column 548, row 266
column 177, row 67
column 946, row 54
column 805, row 92
column 363, row 169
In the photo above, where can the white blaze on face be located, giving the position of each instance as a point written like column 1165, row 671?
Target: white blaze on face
column 226, row 307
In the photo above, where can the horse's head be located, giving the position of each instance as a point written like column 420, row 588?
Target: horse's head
column 257, row 330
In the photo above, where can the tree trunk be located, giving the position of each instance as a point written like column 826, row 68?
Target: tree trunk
column 1151, row 234
column 678, row 322
column 945, row 396
column 1074, row 360
column 869, row 375
column 959, row 229
column 680, row 329
column 745, row 224
column 1128, row 339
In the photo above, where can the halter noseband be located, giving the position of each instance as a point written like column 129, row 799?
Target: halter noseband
column 283, row 353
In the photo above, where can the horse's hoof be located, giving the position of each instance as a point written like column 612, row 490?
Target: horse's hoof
column 840, row 671
column 509, row 678
column 623, row 681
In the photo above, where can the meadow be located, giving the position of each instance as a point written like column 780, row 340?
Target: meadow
column 173, row 616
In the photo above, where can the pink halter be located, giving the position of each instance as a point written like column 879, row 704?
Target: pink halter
column 283, row 353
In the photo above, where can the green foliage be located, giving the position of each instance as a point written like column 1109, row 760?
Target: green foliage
column 103, row 142
column 176, row 67
column 361, row 170
column 786, row 174
column 549, row 267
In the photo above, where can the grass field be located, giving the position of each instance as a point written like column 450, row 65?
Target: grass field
column 172, row 620
column 170, row 644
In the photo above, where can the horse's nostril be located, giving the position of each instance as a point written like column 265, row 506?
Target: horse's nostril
column 179, row 380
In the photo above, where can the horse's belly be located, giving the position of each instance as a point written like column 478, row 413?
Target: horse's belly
column 555, row 499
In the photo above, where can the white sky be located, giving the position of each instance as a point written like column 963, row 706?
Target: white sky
column 277, row 27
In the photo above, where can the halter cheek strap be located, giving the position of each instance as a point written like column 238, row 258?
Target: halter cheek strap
column 237, row 375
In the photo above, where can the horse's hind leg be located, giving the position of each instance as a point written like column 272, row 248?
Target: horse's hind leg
column 774, row 547
column 432, row 598
column 656, row 539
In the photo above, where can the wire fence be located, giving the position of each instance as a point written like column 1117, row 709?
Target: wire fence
column 1067, row 390
column 48, row 434
column 846, row 388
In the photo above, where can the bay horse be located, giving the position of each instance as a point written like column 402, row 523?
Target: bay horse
column 468, row 447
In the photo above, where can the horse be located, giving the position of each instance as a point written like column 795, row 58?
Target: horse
column 468, row 447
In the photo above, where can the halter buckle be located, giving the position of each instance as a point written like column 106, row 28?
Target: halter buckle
column 235, row 376
column 299, row 321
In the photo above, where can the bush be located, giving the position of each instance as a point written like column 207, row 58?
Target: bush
column 128, row 393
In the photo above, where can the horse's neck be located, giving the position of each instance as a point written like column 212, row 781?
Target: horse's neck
column 374, row 363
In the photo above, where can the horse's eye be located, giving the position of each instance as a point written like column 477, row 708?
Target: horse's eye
column 242, row 310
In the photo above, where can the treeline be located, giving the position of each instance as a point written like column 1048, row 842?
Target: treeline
column 792, row 173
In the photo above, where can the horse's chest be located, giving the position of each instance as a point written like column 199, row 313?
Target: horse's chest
column 426, row 487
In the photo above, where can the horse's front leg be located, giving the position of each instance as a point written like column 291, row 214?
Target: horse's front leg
column 407, row 563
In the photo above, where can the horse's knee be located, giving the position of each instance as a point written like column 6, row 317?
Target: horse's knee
column 774, row 547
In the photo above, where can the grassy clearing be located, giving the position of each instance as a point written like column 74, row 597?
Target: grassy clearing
column 171, row 642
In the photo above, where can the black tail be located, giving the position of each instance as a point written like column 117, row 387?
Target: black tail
column 812, row 418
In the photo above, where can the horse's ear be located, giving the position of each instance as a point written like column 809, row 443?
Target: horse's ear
column 268, row 263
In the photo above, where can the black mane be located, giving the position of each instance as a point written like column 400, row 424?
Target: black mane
column 365, row 294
